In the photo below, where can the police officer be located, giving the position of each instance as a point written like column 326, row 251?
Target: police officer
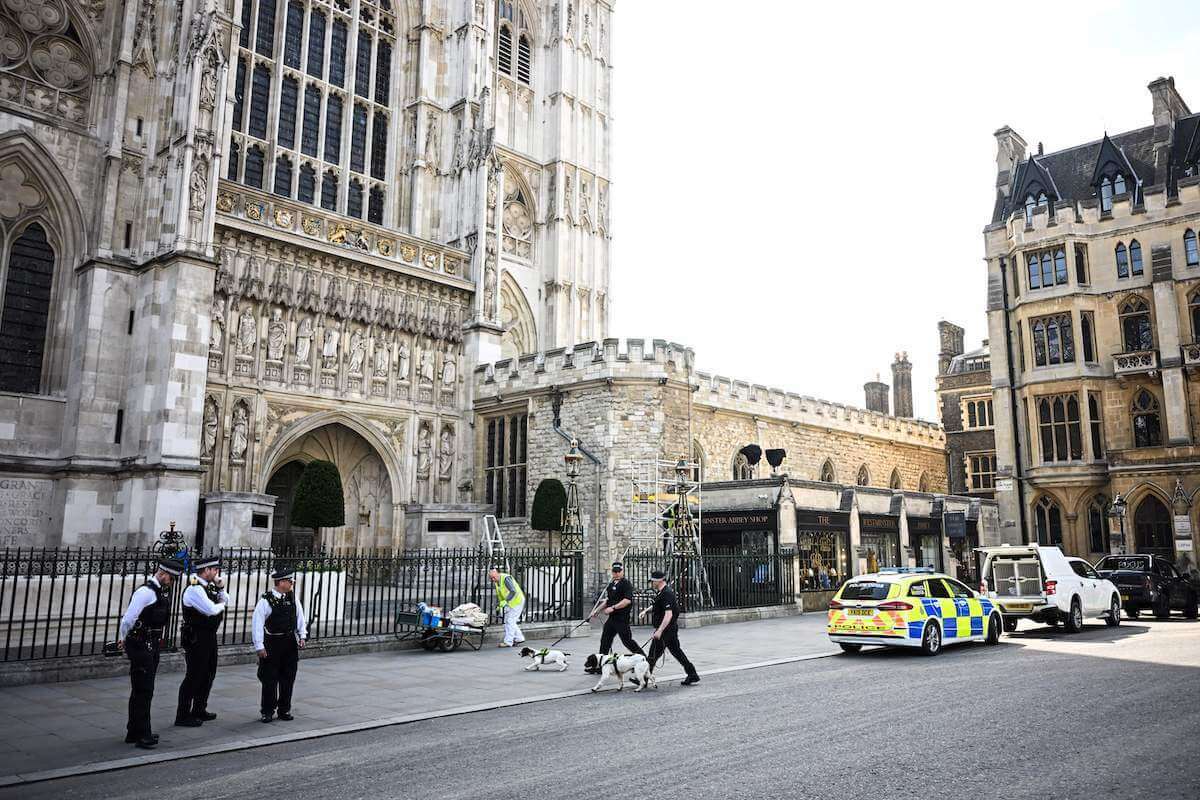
column 203, row 610
column 140, row 636
column 664, row 615
column 617, row 605
column 279, row 628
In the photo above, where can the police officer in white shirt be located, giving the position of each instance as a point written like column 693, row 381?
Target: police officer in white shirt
column 140, row 636
column 203, row 610
column 279, row 629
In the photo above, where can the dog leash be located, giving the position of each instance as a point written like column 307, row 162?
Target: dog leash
column 568, row 633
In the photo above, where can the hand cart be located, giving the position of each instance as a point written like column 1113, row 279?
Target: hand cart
column 444, row 636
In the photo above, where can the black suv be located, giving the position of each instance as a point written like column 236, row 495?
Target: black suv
column 1150, row 583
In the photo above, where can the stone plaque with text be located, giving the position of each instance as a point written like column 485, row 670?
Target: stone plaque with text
column 25, row 511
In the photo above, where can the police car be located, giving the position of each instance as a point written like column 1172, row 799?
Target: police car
column 910, row 607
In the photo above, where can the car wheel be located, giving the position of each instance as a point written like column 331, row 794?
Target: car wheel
column 1010, row 624
column 1192, row 609
column 1075, row 617
column 931, row 639
column 1162, row 608
column 993, row 631
column 849, row 648
column 1114, row 613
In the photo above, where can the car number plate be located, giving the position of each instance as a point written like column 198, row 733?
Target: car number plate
column 1124, row 597
column 862, row 612
column 1018, row 607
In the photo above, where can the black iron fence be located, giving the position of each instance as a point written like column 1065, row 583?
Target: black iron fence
column 68, row 602
column 719, row 579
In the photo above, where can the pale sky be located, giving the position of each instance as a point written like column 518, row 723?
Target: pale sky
column 801, row 188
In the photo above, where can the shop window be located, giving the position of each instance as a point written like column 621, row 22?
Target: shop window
column 505, row 470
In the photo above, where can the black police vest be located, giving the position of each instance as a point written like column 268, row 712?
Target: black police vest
column 154, row 616
column 201, row 621
column 283, row 614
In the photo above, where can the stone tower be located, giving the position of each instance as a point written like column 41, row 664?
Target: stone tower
column 902, row 385
column 877, row 395
column 950, row 339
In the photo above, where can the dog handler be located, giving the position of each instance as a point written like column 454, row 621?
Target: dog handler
column 618, row 603
column 664, row 615
column 510, row 602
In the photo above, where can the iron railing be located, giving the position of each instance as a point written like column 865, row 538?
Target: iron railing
column 731, row 578
column 68, row 602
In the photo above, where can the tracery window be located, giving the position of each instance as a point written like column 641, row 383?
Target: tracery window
column 43, row 64
column 1048, row 522
column 742, row 471
column 1147, row 431
column 1194, row 314
column 1053, row 342
column 1058, row 425
column 27, row 267
column 329, row 87
column 1047, row 268
column 864, row 477
column 1098, row 525
column 514, row 34
column 827, row 473
column 1136, row 331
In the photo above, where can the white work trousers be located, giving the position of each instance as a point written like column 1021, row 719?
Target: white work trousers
column 512, row 615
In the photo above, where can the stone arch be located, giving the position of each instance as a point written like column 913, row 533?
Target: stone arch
column 923, row 482
column 699, row 459
column 894, row 482
column 863, row 478
column 828, row 474
column 520, row 330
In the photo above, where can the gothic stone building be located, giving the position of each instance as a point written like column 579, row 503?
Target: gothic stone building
column 1094, row 319
column 964, row 391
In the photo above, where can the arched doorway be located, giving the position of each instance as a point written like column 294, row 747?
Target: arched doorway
column 366, row 487
column 1152, row 528
column 283, row 486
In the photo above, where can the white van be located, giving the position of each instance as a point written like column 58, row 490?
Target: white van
column 1042, row 584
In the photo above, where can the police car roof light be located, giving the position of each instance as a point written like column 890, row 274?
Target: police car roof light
column 906, row 569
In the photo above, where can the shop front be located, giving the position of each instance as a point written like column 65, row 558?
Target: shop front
column 742, row 531
column 727, row 538
column 823, row 549
column 963, row 536
column 879, row 536
column 925, row 536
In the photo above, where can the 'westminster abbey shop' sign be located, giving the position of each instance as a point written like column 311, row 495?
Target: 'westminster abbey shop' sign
column 738, row 520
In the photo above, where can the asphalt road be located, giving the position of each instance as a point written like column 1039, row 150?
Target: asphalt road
column 1108, row 713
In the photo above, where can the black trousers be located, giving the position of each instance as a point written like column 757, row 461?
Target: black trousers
column 615, row 627
column 200, row 655
column 670, row 643
column 143, row 667
column 277, row 673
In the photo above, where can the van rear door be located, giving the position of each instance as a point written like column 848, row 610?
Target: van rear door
column 1014, row 578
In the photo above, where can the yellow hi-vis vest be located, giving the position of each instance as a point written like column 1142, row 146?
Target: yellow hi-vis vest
column 517, row 598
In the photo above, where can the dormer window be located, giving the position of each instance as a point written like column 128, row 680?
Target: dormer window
column 1033, row 202
column 1119, row 184
column 1106, row 196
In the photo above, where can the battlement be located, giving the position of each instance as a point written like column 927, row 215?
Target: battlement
column 730, row 394
column 611, row 358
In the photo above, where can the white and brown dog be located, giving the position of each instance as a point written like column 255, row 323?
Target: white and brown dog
column 619, row 665
column 545, row 656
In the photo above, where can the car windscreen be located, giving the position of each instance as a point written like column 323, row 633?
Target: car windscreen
column 866, row 590
column 1134, row 563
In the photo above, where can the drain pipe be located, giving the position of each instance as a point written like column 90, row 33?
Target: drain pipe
column 557, row 425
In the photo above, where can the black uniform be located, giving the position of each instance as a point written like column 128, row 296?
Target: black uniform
column 670, row 637
column 617, row 624
column 277, row 671
column 198, row 636
column 141, row 648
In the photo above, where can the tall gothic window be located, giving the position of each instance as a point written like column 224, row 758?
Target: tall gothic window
column 1048, row 522
column 1122, row 260
column 1194, row 314
column 514, row 41
column 1058, row 426
column 1096, row 423
column 742, row 471
column 1053, row 342
column 1146, row 429
column 1047, row 268
column 315, row 102
column 1136, row 331
column 1152, row 526
column 505, row 466
column 1086, row 333
column 1191, row 255
column 1098, row 525
column 28, row 270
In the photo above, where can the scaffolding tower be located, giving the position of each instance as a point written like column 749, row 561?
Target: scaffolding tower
column 666, row 501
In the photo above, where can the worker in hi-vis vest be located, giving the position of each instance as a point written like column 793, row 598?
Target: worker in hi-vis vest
column 510, row 602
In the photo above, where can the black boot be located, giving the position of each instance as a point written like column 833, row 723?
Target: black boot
column 187, row 722
column 205, row 716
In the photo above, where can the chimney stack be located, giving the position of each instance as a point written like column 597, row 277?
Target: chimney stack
column 1168, row 105
column 950, row 339
column 1010, row 151
column 902, row 386
column 877, row 396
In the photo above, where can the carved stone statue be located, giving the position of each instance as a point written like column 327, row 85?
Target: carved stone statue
column 240, row 436
column 198, row 185
column 449, row 369
column 424, row 443
column 358, row 351
column 427, row 366
column 304, row 340
column 382, row 359
column 446, row 455
column 329, row 349
column 276, row 336
column 208, row 441
column 247, row 333
column 402, row 356
column 432, row 145
column 489, row 280
column 216, row 333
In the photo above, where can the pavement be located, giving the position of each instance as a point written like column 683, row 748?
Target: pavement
column 1105, row 713
column 61, row 729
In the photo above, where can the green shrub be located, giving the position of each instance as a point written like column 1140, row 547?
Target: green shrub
column 319, row 501
column 549, row 504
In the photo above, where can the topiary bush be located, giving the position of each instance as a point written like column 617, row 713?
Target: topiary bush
column 319, row 502
column 549, row 503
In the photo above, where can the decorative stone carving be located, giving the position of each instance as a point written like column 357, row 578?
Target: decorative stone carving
column 224, row 202
column 568, row 197
column 358, row 352
column 18, row 193
column 247, row 333
column 281, row 285
column 432, row 144
column 424, row 460
column 446, row 458
column 283, row 218
column 198, row 186
column 304, row 340
column 585, row 203
column 602, row 212
column 216, row 331
column 240, row 434
column 449, row 369
column 329, row 348
column 402, row 360
column 408, row 252
column 382, row 359
column 386, row 247
column 427, row 366
column 276, row 336
column 208, row 438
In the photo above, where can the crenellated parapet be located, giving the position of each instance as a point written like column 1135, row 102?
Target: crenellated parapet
column 610, row 359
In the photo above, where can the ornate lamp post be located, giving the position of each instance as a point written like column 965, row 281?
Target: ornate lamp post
column 572, row 530
column 1117, row 511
